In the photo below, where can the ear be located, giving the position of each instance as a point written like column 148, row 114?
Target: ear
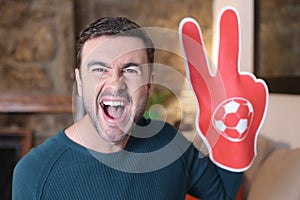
column 150, row 84
column 78, row 82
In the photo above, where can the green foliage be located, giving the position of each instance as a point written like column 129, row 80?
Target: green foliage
column 158, row 97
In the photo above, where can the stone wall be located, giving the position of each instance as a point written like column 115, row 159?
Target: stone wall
column 37, row 46
column 37, row 55
column 37, row 58
column 280, row 38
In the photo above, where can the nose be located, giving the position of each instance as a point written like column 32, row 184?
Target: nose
column 116, row 80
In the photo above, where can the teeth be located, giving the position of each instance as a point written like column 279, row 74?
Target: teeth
column 113, row 103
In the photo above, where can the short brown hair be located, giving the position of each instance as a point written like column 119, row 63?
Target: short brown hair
column 110, row 26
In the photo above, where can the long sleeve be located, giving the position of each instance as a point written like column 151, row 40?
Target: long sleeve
column 208, row 181
column 61, row 163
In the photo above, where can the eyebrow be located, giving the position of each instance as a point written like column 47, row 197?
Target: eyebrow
column 92, row 63
column 132, row 64
column 100, row 63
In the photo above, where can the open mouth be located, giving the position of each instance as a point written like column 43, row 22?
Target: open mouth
column 114, row 111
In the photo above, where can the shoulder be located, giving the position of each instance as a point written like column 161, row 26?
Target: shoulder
column 30, row 171
column 43, row 152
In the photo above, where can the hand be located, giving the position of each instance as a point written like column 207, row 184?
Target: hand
column 231, row 104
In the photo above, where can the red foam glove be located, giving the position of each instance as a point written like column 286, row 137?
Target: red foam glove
column 231, row 104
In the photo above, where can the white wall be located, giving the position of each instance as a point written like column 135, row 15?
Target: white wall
column 283, row 119
column 282, row 122
column 245, row 9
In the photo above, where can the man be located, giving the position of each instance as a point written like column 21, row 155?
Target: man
column 113, row 152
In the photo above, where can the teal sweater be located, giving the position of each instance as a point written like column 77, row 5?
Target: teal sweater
column 164, row 166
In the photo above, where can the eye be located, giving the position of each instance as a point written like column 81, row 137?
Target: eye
column 99, row 69
column 130, row 70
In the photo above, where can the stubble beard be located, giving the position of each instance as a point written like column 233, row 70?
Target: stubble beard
column 108, row 133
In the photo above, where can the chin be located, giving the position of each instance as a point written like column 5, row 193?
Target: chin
column 115, row 134
column 116, row 139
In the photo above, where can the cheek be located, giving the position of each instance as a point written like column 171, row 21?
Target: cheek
column 140, row 95
column 137, row 87
column 90, row 88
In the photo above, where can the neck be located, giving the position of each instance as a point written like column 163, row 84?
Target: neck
column 84, row 133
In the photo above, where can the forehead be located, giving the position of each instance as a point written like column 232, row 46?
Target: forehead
column 109, row 48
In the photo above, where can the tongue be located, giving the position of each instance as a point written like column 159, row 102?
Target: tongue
column 115, row 111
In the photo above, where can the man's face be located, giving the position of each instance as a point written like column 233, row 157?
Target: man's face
column 114, row 84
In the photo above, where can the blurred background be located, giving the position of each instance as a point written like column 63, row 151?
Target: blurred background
column 38, row 48
column 38, row 52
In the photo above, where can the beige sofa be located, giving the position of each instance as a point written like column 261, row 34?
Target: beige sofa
column 275, row 173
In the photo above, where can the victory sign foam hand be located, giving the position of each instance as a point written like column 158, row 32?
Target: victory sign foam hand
column 231, row 104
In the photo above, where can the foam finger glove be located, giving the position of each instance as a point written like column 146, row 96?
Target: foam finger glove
column 231, row 104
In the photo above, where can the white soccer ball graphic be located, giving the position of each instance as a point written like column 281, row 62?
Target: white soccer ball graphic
column 232, row 118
